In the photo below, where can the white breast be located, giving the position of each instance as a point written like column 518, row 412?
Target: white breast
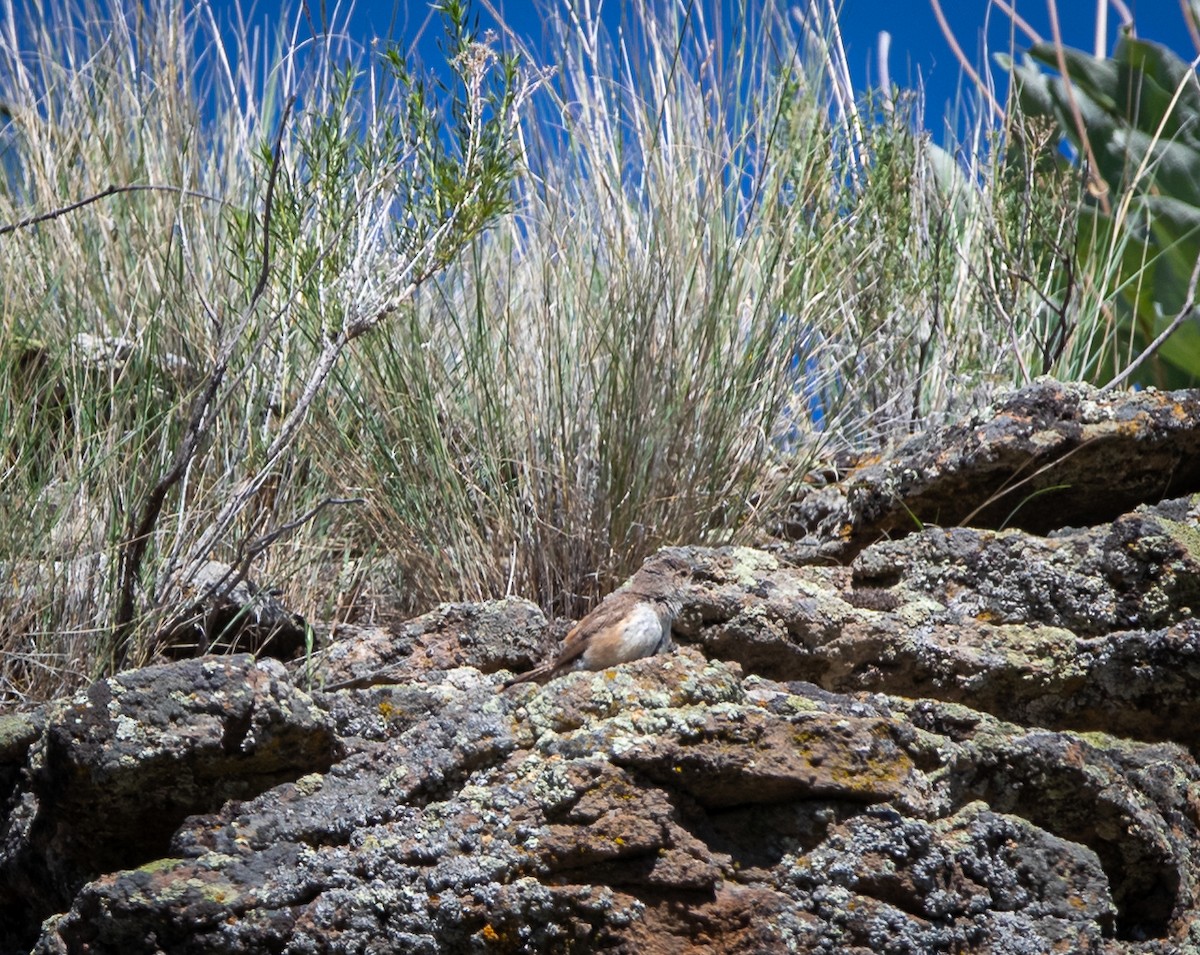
column 642, row 634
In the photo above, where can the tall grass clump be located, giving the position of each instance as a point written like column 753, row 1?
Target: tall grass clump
column 609, row 370
column 721, row 262
column 398, row 342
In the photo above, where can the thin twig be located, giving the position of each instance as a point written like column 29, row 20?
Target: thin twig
column 239, row 570
column 1018, row 22
column 104, row 194
column 269, row 203
column 1099, row 186
column 1189, row 17
column 1188, row 311
column 964, row 62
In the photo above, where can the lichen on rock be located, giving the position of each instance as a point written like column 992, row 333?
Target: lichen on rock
column 961, row 738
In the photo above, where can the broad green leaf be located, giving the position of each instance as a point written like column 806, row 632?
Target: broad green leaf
column 1140, row 112
column 1099, row 79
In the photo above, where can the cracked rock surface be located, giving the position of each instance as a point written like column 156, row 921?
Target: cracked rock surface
column 960, row 739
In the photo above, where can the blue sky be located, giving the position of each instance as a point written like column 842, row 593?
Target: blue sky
column 918, row 48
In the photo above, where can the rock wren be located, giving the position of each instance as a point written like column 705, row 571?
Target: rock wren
column 632, row 623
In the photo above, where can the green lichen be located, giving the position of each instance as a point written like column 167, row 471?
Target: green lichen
column 17, row 733
column 159, row 865
column 1185, row 535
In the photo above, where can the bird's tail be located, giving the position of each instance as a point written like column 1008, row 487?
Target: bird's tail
column 536, row 675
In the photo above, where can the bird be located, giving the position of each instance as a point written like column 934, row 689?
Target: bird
column 629, row 624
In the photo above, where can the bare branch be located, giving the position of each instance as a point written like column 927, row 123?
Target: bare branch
column 133, row 549
column 104, row 194
column 269, row 202
column 964, row 62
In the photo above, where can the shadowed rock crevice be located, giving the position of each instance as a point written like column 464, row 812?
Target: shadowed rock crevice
column 1143, row 871
column 1046, row 457
column 758, row 837
column 1061, row 784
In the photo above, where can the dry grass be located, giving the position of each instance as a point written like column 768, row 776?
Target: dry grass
column 713, row 269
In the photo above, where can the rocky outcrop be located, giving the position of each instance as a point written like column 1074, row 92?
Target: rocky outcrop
column 103, row 782
column 1087, row 630
column 964, row 739
column 1046, row 457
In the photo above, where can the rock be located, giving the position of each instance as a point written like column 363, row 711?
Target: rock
column 497, row 634
column 110, row 776
column 1044, row 457
column 1090, row 629
column 674, row 805
column 963, row 739
column 223, row 611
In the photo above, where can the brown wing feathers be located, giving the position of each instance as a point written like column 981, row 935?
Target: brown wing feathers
column 607, row 620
